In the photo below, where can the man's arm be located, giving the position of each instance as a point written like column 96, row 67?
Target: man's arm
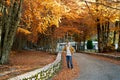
column 72, row 50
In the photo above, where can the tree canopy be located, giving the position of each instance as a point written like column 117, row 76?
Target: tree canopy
column 45, row 22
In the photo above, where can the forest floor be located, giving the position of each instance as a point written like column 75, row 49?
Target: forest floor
column 23, row 61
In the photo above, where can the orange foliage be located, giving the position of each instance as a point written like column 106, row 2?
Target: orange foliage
column 40, row 14
column 61, row 31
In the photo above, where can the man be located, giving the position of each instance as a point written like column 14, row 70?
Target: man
column 69, row 52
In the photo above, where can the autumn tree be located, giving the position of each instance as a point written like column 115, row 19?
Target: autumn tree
column 103, row 15
column 10, row 18
column 39, row 17
column 77, row 16
column 118, row 26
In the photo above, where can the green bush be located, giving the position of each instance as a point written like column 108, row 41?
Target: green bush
column 89, row 44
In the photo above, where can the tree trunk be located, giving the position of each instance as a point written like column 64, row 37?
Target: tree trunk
column 114, row 38
column 115, row 33
column 104, row 37
column 1, row 11
column 119, row 37
column 84, row 39
column 10, row 22
column 107, row 33
column 119, row 43
column 99, row 36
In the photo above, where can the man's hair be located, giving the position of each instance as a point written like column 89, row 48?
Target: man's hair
column 67, row 40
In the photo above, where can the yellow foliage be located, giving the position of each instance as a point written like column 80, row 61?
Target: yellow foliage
column 41, row 14
column 23, row 31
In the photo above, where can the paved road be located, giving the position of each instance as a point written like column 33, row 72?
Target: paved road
column 95, row 69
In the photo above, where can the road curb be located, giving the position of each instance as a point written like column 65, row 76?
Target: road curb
column 104, row 55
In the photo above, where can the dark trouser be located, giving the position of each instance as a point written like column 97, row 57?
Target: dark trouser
column 69, row 61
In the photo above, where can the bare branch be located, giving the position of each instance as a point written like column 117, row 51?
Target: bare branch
column 104, row 4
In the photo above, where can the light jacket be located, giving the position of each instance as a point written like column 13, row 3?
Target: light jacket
column 72, row 50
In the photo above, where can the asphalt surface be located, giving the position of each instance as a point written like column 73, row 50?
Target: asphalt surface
column 95, row 69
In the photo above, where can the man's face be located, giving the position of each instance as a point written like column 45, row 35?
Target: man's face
column 68, row 43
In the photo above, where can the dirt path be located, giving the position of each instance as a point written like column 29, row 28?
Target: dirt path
column 65, row 73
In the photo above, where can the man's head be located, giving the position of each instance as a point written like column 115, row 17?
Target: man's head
column 68, row 43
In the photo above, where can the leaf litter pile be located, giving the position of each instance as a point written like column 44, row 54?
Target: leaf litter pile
column 21, row 62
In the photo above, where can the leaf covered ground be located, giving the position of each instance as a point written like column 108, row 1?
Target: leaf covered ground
column 24, row 61
column 65, row 73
